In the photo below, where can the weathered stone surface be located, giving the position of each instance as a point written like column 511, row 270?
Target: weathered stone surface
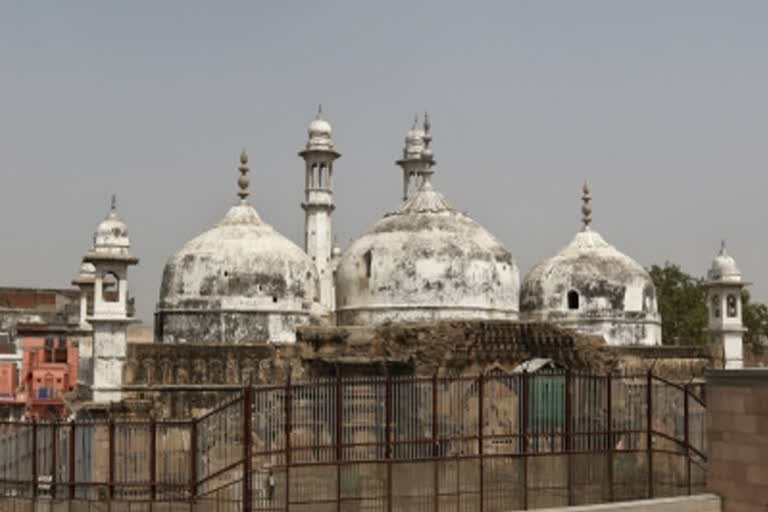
column 612, row 295
column 239, row 282
column 426, row 261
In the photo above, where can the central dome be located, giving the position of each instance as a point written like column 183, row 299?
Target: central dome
column 426, row 261
column 239, row 282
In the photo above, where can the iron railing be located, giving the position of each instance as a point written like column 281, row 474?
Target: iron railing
column 488, row 443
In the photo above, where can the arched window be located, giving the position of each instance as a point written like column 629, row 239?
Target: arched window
column 732, row 306
column 573, row 299
column 716, row 306
column 321, row 177
column 110, row 287
column 368, row 263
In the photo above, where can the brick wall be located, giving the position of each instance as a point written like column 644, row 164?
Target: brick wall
column 737, row 432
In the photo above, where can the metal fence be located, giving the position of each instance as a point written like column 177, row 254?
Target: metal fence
column 488, row 443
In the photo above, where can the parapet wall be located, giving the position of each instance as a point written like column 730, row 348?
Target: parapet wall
column 737, row 419
column 698, row 503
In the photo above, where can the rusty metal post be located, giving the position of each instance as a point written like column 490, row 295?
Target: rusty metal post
column 153, row 459
column 649, row 433
column 247, row 449
column 568, row 436
column 524, row 437
column 435, row 447
column 34, row 458
column 288, row 454
column 339, row 434
column 53, row 459
column 193, row 460
column 687, row 438
column 111, row 442
column 72, row 462
column 480, row 441
column 610, row 443
column 388, row 436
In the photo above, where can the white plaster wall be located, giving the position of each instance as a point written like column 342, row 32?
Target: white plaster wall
column 109, row 350
column 422, row 264
column 617, row 298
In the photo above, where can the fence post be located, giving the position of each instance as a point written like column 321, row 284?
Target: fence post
column 34, row 458
column 288, row 428
column 388, row 435
column 649, row 434
column 480, row 440
column 247, row 449
column 54, row 462
column 610, row 443
column 339, row 434
column 524, row 437
column 193, row 460
column 153, row 459
column 72, row 462
column 568, row 435
column 111, row 443
column 435, row 446
column 687, row 438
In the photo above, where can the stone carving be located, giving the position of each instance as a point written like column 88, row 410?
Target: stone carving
column 199, row 372
column 129, row 372
column 216, row 371
column 166, row 371
column 182, row 372
column 232, row 372
column 150, row 377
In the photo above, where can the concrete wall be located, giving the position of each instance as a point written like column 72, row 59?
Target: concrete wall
column 699, row 503
column 737, row 429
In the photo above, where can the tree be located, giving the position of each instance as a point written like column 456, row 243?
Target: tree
column 682, row 305
column 754, row 316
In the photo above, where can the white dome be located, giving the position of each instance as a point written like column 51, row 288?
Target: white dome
column 425, row 262
column 240, row 281
column 319, row 127
column 111, row 241
column 591, row 286
column 87, row 274
column 320, row 134
column 724, row 267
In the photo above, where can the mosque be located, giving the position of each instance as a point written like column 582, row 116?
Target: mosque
column 243, row 283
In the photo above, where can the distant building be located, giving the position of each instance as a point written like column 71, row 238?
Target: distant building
column 48, row 371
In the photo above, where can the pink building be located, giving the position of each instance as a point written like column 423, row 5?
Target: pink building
column 48, row 370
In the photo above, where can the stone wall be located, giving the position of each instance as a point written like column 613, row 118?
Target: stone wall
column 698, row 503
column 737, row 421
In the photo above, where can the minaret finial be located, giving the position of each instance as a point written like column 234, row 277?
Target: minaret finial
column 319, row 111
column 586, row 209
column 243, row 182
column 723, row 252
column 114, row 202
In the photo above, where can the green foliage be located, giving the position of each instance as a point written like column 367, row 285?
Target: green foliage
column 682, row 304
column 754, row 315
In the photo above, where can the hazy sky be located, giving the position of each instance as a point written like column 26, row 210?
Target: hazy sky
column 661, row 104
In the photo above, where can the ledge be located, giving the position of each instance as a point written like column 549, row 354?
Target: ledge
column 741, row 377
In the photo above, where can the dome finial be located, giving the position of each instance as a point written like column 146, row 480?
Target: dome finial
column 586, row 209
column 723, row 251
column 319, row 114
column 114, row 202
column 243, row 182
column 426, row 153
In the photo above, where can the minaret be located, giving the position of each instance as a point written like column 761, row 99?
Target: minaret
column 724, row 285
column 412, row 163
column 111, row 258
column 85, row 281
column 319, row 155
